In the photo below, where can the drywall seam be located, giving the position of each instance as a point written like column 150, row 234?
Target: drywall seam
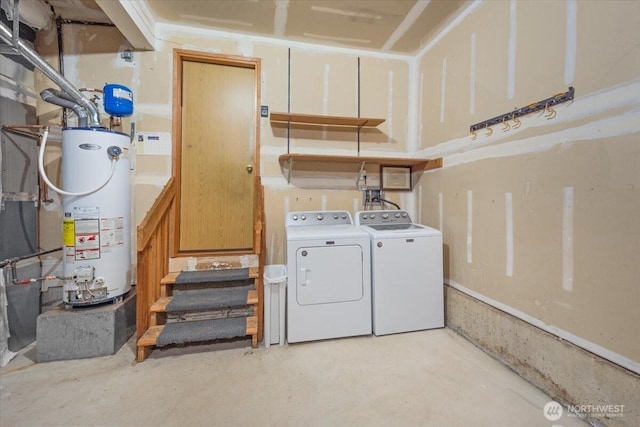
column 280, row 18
column 325, row 96
column 286, row 202
column 441, row 212
column 420, row 127
column 554, row 330
column 508, row 205
column 420, row 221
column 356, row 205
column 567, row 239
column 166, row 30
column 571, row 41
column 406, row 23
column 390, row 106
column 472, row 76
column 512, row 48
column 325, row 89
column 323, row 202
column 271, row 247
column 469, row 226
column 626, row 95
column 244, row 48
column 453, row 24
column 264, row 96
column 413, row 123
column 443, row 88
column 408, row 203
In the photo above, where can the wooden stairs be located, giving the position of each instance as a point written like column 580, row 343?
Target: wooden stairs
column 201, row 306
column 221, row 299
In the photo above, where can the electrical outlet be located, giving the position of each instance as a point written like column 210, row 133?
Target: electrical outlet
column 369, row 195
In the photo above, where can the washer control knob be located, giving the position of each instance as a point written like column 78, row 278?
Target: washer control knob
column 372, row 216
column 319, row 217
column 397, row 215
column 335, row 216
column 303, row 217
column 385, row 215
column 344, row 216
column 404, row 215
column 295, row 217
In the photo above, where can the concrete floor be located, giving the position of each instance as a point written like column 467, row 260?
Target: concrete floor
column 429, row 378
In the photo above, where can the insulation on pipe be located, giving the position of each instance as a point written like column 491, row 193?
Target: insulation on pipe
column 54, row 97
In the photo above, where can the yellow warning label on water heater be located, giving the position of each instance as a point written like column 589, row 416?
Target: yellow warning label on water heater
column 68, row 232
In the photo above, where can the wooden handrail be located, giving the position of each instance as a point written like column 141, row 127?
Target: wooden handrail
column 155, row 214
column 153, row 246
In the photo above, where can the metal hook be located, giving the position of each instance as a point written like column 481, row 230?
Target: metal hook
column 516, row 123
column 489, row 131
column 506, row 126
column 474, row 135
column 551, row 113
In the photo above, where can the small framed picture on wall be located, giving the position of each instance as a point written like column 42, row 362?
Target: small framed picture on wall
column 396, row 178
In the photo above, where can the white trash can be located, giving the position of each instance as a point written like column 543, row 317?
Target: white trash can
column 275, row 283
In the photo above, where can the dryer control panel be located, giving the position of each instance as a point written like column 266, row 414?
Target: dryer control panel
column 318, row 218
column 382, row 217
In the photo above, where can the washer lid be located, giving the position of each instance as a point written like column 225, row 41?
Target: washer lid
column 400, row 230
column 314, row 232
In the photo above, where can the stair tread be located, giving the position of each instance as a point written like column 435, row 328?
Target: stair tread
column 213, row 298
column 150, row 337
column 243, row 273
column 160, row 306
column 203, row 330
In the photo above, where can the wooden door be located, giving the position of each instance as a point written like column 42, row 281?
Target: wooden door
column 217, row 169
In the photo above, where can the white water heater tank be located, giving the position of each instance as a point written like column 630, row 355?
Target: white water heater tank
column 96, row 227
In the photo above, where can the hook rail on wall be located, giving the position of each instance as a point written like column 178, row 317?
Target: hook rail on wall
column 545, row 104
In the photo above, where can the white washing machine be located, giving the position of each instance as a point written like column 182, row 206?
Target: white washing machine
column 329, row 276
column 406, row 272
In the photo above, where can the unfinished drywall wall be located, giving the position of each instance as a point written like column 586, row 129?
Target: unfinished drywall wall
column 566, row 372
column 543, row 218
column 322, row 81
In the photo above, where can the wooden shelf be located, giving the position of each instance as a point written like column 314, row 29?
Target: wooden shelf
column 416, row 165
column 311, row 119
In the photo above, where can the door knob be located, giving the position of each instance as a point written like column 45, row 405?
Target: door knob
column 249, row 168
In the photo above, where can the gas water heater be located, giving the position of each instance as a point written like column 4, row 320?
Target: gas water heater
column 96, row 205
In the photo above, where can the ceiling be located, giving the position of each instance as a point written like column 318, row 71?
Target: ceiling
column 398, row 26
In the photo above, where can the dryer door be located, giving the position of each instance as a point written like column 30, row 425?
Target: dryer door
column 329, row 274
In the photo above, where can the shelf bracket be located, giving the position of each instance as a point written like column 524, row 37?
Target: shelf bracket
column 290, row 167
column 360, row 173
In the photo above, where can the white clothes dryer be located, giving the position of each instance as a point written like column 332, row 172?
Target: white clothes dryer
column 406, row 272
column 329, row 276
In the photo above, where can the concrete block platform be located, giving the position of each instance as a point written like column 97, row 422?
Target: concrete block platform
column 83, row 332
